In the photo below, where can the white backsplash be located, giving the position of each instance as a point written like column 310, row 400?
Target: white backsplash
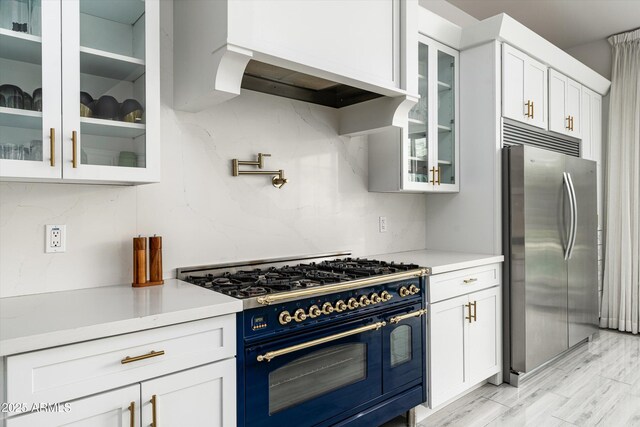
column 203, row 213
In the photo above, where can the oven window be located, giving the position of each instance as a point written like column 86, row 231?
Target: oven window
column 400, row 345
column 315, row 374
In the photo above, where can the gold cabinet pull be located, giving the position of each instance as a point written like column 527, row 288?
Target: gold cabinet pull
column 468, row 317
column 529, row 114
column 433, row 176
column 439, row 170
column 142, row 357
column 276, row 353
column 52, row 137
column 532, row 110
column 154, row 417
column 74, row 148
column 132, row 414
column 572, row 122
column 470, row 280
column 568, row 123
column 397, row 319
column 475, row 310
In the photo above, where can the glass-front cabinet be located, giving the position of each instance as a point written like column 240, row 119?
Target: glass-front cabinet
column 423, row 155
column 79, row 94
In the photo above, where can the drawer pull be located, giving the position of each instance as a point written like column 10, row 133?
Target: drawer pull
column 473, row 279
column 397, row 319
column 132, row 414
column 154, row 417
column 470, row 316
column 144, row 356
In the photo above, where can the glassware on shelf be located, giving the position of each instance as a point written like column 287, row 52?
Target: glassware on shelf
column 35, row 17
column 37, row 99
column 14, row 15
column 11, row 96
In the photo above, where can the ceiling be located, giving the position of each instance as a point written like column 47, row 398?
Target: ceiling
column 565, row 23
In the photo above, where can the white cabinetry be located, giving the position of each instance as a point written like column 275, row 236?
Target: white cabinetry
column 111, row 54
column 524, row 88
column 564, row 104
column 423, row 155
column 465, row 331
column 175, row 375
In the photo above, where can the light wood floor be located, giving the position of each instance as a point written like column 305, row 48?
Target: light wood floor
column 596, row 384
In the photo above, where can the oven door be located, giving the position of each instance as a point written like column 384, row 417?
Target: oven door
column 402, row 347
column 315, row 376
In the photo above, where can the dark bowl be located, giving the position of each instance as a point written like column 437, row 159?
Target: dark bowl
column 107, row 108
column 86, row 105
column 27, row 101
column 37, row 99
column 131, row 111
column 12, row 96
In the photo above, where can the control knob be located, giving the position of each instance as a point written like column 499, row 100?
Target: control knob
column 284, row 318
column 340, row 306
column 364, row 301
column 314, row 311
column 327, row 308
column 404, row 292
column 386, row 296
column 299, row 315
column 413, row 289
column 375, row 298
column 352, row 304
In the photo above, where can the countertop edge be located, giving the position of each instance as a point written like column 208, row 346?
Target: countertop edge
column 13, row 346
column 466, row 264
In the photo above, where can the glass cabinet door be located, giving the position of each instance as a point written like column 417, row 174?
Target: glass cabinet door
column 417, row 139
column 106, row 108
column 446, row 119
column 29, row 89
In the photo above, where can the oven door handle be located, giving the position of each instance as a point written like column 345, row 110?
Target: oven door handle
column 397, row 319
column 273, row 354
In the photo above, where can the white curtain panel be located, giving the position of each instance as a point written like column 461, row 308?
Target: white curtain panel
column 621, row 290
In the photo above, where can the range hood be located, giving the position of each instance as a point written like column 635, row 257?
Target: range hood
column 348, row 54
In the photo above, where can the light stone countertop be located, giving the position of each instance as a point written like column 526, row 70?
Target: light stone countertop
column 39, row 321
column 439, row 261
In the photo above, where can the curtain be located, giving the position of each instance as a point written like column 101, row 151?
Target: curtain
column 621, row 286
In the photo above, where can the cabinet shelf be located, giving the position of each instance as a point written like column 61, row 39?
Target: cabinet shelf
column 444, row 162
column 111, row 65
column 117, row 129
column 416, row 158
column 122, row 11
column 20, row 46
column 442, row 86
column 443, row 129
column 25, row 119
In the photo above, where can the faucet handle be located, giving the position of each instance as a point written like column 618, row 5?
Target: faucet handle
column 261, row 157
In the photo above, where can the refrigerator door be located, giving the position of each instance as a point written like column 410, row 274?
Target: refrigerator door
column 583, row 262
column 539, row 226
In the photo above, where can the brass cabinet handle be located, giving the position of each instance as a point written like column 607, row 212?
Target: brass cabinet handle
column 397, row 319
column 132, row 414
column 572, row 122
column 433, row 176
column 142, row 357
column 439, row 170
column 74, row 149
column 471, row 280
column 52, row 137
column 475, row 310
column 532, row 109
column 469, row 317
column 529, row 104
column 568, row 123
column 273, row 354
column 154, row 418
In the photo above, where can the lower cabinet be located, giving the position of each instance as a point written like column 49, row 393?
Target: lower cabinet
column 464, row 343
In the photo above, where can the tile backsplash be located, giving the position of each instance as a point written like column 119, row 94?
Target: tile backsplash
column 203, row 213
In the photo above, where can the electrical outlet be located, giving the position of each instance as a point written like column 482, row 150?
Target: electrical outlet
column 55, row 238
column 382, row 224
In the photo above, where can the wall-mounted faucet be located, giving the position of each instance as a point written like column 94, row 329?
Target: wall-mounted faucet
column 278, row 180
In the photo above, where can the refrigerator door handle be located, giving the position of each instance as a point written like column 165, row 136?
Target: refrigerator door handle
column 567, row 187
column 574, row 216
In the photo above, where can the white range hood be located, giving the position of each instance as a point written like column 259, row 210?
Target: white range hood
column 346, row 54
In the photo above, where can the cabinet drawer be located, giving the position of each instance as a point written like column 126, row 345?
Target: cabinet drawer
column 68, row 372
column 461, row 282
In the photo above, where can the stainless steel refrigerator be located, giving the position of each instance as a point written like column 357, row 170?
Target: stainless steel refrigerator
column 550, row 235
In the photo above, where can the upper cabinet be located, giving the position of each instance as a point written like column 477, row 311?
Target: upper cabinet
column 564, row 104
column 344, row 55
column 80, row 95
column 423, row 155
column 524, row 88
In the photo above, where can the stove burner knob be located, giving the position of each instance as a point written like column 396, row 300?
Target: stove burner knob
column 284, row 318
column 327, row 308
column 364, row 301
column 352, row 304
column 340, row 306
column 314, row 311
column 386, row 296
column 404, row 292
column 299, row 315
column 375, row 298
column 413, row 289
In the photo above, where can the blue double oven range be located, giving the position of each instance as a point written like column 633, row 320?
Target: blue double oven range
column 326, row 341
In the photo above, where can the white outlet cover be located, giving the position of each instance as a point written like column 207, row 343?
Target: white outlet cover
column 55, row 238
column 382, row 224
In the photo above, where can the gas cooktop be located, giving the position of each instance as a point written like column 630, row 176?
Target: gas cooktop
column 253, row 283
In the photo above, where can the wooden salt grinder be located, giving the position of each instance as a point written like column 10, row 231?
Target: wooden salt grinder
column 155, row 260
column 139, row 262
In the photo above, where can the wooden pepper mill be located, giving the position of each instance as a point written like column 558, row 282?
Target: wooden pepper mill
column 140, row 261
